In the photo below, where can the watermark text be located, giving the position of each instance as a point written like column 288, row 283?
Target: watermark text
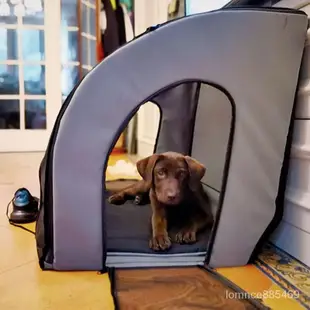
column 267, row 294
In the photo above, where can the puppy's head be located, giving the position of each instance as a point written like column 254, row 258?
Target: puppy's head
column 170, row 175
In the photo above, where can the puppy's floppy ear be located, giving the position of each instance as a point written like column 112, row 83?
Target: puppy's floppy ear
column 196, row 170
column 145, row 167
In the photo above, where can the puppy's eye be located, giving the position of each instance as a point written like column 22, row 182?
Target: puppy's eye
column 161, row 173
column 181, row 174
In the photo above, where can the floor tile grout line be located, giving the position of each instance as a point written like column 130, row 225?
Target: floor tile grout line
column 16, row 267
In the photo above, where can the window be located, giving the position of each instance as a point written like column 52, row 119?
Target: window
column 78, row 41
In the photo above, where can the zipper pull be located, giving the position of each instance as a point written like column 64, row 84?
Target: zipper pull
column 152, row 28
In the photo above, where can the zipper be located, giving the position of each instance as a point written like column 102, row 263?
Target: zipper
column 234, row 7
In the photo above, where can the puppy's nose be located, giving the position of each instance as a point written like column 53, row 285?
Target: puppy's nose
column 171, row 196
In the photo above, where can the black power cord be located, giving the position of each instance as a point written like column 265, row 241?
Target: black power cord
column 25, row 209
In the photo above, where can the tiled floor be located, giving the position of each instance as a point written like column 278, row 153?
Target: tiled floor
column 24, row 286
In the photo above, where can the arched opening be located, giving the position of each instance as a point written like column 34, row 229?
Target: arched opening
column 137, row 140
column 192, row 118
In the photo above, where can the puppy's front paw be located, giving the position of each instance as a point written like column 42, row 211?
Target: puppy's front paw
column 186, row 236
column 160, row 243
column 116, row 199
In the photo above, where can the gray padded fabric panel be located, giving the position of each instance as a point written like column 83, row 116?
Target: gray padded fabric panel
column 253, row 54
column 211, row 133
column 178, row 107
column 214, row 198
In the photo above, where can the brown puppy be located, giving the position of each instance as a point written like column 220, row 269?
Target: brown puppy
column 178, row 200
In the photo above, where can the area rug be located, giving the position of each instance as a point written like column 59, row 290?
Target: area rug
column 186, row 288
column 285, row 270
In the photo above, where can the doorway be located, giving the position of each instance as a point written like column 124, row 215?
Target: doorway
column 43, row 52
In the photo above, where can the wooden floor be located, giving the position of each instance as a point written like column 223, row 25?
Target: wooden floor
column 189, row 288
column 22, row 283
column 24, row 286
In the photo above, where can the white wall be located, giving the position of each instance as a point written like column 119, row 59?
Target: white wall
column 293, row 233
column 148, row 13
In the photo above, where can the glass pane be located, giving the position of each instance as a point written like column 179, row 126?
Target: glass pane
column 69, row 13
column 35, row 114
column 84, row 21
column 7, row 15
column 34, row 80
column 33, row 45
column 93, row 53
column 69, row 46
column 9, row 79
column 9, row 114
column 85, row 50
column 69, row 78
column 8, row 44
column 92, row 21
column 34, row 12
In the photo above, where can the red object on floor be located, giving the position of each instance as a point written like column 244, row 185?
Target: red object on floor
column 118, row 151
